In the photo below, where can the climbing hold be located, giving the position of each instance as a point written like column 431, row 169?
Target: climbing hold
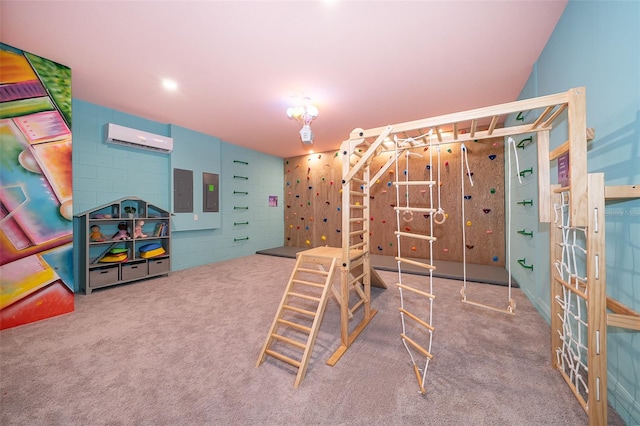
column 467, row 197
column 310, row 219
column 469, row 246
column 297, row 196
column 306, row 228
column 493, row 190
column 380, row 248
column 446, row 215
column 372, row 218
column 428, row 167
column 288, row 206
column 425, row 148
column 468, row 223
column 297, row 180
column 297, row 227
column 413, row 248
column 388, row 183
column 327, row 203
column 337, row 230
column 325, row 220
column 489, row 232
column 290, row 226
column 357, row 203
column 302, row 218
column 470, row 174
column 495, row 258
column 384, row 221
column 449, row 150
column 492, row 157
column 311, row 187
column 307, row 242
column 422, row 191
column 317, row 193
column 426, row 216
column 288, row 184
column 338, row 208
column 446, row 163
column 486, row 211
column 331, row 183
column 405, row 172
column 446, row 250
column 407, row 229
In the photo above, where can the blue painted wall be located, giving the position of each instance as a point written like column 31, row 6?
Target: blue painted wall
column 596, row 44
column 105, row 172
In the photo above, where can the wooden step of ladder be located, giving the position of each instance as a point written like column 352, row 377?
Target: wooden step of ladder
column 295, row 326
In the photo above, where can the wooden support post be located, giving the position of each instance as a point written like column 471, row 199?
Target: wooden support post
column 544, row 182
column 577, row 128
column 596, row 308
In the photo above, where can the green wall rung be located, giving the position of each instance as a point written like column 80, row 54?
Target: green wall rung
column 523, row 263
column 524, row 172
column 241, row 192
column 525, row 232
column 525, row 202
column 240, row 177
column 241, row 239
column 241, row 162
column 240, row 208
column 240, row 223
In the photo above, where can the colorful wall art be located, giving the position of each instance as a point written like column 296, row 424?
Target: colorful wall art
column 36, row 213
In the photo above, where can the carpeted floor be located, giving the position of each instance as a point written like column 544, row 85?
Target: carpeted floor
column 182, row 350
column 485, row 274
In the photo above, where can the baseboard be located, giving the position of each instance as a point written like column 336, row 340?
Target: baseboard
column 622, row 401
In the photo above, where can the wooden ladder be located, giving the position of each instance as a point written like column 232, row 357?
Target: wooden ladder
column 297, row 321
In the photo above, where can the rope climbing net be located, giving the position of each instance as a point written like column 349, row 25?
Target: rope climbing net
column 570, row 265
column 416, row 300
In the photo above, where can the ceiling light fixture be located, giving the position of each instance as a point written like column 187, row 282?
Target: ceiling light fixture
column 304, row 113
column 169, row 84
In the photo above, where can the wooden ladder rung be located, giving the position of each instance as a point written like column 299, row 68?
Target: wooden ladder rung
column 418, row 236
column 356, row 219
column 419, row 348
column 415, row 290
column 415, row 209
column 283, row 358
column 356, row 279
column 314, row 271
column 357, row 193
column 357, row 206
column 416, row 263
column 356, row 306
column 299, row 310
column 356, row 246
column 358, row 180
column 360, row 232
column 304, row 296
column 288, row 340
column 418, row 320
column 294, row 325
column 308, row 283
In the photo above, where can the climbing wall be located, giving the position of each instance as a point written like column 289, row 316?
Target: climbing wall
column 313, row 216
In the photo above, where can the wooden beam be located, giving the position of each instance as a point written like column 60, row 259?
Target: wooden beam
column 544, row 179
column 623, row 321
column 621, row 192
column 576, row 123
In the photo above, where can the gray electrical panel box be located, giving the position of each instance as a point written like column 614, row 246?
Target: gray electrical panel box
column 182, row 191
column 210, row 190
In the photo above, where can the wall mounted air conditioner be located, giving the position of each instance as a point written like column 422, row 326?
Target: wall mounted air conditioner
column 138, row 139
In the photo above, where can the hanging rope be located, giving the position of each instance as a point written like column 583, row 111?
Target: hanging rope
column 439, row 216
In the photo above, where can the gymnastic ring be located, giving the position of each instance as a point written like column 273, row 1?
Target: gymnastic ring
column 441, row 213
column 410, row 218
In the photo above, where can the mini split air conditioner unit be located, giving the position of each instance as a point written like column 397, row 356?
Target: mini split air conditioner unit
column 138, row 139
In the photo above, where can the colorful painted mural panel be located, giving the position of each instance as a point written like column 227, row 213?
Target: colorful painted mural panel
column 36, row 217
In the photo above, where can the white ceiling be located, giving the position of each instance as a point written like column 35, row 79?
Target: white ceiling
column 238, row 63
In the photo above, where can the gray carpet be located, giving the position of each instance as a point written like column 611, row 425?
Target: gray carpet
column 181, row 350
column 485, row 274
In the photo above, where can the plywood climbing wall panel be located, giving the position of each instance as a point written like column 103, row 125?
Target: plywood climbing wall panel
column 313, row 210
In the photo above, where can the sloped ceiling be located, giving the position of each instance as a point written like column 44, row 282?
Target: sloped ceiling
column 238, row 63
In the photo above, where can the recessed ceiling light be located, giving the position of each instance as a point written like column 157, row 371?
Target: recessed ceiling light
column 169, row 84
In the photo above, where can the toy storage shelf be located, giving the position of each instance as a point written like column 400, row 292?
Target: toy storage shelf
column 123, row 241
